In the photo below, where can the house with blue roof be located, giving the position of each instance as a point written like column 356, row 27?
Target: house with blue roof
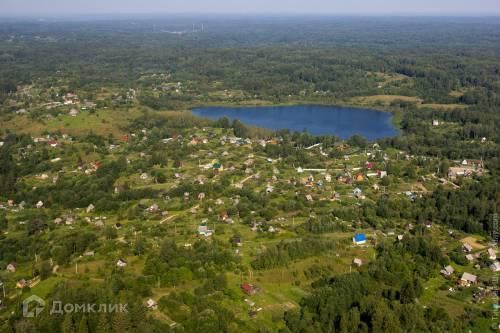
column 359, row 239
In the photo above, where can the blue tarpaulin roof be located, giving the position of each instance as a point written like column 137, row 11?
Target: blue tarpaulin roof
column 359, row 237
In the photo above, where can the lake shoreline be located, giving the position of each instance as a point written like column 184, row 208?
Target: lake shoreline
column 317, row 119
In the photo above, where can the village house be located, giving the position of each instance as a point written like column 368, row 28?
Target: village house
column 121, row 263
column 358, row 193
column 53, row 143
column 39, row 204
column 335, row 196
column 11, row 268
column 249, row 289
column 69, row 220
column 359, row 239
column 492, row 254
column 382, row 174
column 21, row 284
column 236, row 240
column 495, row 266
column 357, row 262
column 153, row 208
column 90, row 208
column 467, row 248
column 360, row 177
column 73, row 112
column 447, row 271
column 467, row 280
column 151, row 304
column 204, row 231
column 223, row 216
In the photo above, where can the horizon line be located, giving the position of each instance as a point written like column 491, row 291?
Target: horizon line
column 276, row 14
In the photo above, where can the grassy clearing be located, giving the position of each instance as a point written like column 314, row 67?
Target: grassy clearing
column 474, row 241
column 45, row 287
column 444, row 107
column 102, row 122
column 384, row 99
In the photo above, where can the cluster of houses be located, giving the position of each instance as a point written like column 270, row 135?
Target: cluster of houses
column 466, row 168
column 468, row 279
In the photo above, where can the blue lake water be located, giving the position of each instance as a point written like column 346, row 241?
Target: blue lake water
column 343, row 122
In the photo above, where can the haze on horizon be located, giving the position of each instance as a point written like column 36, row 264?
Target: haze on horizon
column 331, row 7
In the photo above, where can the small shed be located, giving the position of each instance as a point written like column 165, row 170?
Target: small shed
column 121, row 263
column 447, row 271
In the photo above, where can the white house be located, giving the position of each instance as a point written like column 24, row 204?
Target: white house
column 90, row 208
column 121, row 263
column 492, row 254
column 151, row 304
column 495, row 267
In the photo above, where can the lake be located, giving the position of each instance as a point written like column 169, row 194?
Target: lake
column 343, row 122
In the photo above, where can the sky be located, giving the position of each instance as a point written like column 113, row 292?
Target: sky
column 339, row 7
